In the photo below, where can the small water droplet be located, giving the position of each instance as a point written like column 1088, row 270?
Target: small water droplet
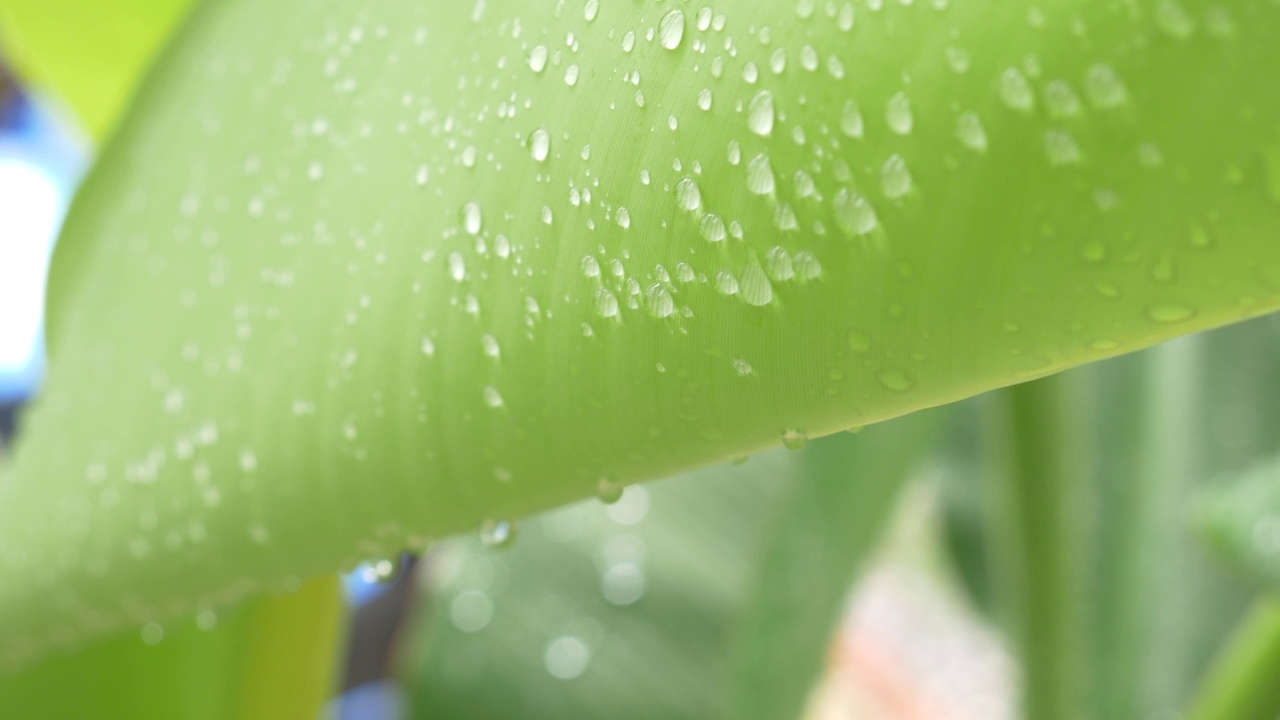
column 609, row 491
column 492, row 397
column 794, row 439
column 497, row 533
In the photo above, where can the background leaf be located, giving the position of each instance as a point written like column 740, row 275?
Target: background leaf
column 825, row 531
column 91, row 52
column 269, row 658
column 362, row 276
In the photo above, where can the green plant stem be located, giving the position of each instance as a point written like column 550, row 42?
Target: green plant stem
column 1242, row 683
column 1038, row 542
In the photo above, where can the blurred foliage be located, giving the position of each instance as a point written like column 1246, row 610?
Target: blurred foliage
column 91, row 53
column 268, row 659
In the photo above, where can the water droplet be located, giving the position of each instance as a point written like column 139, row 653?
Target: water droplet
column 590, row 266
column 539, row 146
column 490, row 346
column 457, row 267
column 671, row 30
column 726, row 283
column 895, row 380
column 492, row 397
column 808, row 58
column 428, row 347
column 851, row 120
column 623, row 218
column 472, row 219
column 778, row 61
column 538, row 58
column 794, row 439
column 760, row 178
column 606, row 303
column 742, row 367
column 659, row 301
column 497, row 533
column 1061, row 100
column 854, row 214
column 1174, row 20
column 571, row 75
column 958, row 60
column 712, row 228
column 609, row 491
column 590, row 10
column 971, row 133
column 898, row 114
column 704, row 99
column 1015, row 91
column 778, row 264
column 1104, row 88
column 895, row 178
column 734, row 154
column 1061, row 148
column 754, row 286
column 760, row 113
column 688, row 195
column 806, row 265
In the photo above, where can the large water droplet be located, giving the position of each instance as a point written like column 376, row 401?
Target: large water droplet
column 540, row 144
column 671, row 29
column 754, row 286
column 659, row 301
column 538, row 58
column 854, row 214
column 898, row 114
column 472, row 218
column 1104, row 88
column 760, row 113
column 1015, row 91
column 688, row 195
column 971, row 133
column 760, row 178
column 895, row 178
column 851, row 123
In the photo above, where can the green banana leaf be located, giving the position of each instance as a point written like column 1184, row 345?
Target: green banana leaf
column 352, row 277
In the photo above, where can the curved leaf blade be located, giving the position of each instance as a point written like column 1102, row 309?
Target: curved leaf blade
column 302, row 273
